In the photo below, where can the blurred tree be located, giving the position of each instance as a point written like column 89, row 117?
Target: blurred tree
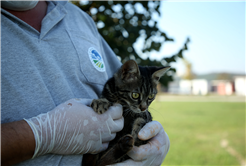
column 188, row 75
column 121, row 23
column 224, row 76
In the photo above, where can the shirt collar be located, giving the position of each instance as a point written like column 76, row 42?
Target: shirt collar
column 55, row 13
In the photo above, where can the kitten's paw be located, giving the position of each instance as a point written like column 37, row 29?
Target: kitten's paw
column 126, row 143
column 100, row 105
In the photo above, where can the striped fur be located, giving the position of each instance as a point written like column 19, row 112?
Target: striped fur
column 134, row 87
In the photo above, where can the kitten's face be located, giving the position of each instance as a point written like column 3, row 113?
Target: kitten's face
column 137, row 99
column 136, row 86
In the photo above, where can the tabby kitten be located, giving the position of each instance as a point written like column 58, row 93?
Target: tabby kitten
column 134, row 87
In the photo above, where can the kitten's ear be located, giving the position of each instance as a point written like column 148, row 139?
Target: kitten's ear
column 130, row 71
column 159, row 73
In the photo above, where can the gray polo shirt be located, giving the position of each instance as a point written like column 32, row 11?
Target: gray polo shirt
column 40, row 70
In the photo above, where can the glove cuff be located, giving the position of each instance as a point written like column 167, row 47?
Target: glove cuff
column 36, row 136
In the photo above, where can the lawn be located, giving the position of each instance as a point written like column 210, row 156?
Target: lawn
column 197, row 129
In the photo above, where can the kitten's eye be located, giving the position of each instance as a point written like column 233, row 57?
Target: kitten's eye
column 135, row 95
column 151, row 96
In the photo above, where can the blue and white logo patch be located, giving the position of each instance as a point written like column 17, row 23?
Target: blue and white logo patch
column 96, row 59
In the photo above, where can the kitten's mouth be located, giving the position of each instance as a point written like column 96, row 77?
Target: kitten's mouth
column 135, row 109
column 139, row 110
column 143, row 109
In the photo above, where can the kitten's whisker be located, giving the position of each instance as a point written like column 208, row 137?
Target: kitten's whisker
column 157, row 112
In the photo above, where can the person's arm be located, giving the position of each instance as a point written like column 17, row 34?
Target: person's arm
column 17, row 142
column 73, row 127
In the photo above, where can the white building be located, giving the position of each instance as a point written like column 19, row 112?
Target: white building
column 222, row 87
column 200, row 87
column 185, row 87
column 240, row 85
column 173, row 87
column 203, row 87
column 195, row 87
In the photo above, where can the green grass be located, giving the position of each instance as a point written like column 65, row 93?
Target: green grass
column 195, row 130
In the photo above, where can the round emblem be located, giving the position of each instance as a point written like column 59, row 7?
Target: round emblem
column 96, row 59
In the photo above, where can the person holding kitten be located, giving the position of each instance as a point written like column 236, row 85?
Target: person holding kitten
column 54, row 63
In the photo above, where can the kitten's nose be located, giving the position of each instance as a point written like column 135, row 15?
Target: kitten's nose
column 143, row 107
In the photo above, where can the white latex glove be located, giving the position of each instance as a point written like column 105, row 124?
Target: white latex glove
column 154, row 152
column 75, row 128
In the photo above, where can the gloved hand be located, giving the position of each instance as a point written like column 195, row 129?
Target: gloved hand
column 154, row 152
column 74, row 128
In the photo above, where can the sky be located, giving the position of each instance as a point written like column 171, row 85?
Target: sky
column 216, row 31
